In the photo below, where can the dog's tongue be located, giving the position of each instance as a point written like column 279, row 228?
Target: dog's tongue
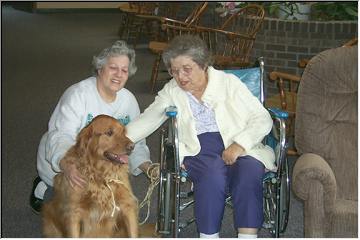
column 122, row 158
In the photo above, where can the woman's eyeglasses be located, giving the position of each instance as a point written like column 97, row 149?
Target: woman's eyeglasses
column 186, row 70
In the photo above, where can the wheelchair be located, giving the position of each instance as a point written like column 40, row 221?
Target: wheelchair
column 173, row 200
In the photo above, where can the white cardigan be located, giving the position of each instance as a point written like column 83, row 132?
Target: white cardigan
column 240, row 117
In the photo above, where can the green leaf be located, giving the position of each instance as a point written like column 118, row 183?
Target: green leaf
column 351, row 11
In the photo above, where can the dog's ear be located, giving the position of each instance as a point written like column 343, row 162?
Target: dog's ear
column 83, row 139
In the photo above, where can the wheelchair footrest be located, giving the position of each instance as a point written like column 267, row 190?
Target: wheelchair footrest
column 186, row 194
column 267, row 225
column 269, row 176
column 185, row 224
column 187, row 204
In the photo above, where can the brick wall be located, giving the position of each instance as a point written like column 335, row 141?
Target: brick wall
column 283, row 43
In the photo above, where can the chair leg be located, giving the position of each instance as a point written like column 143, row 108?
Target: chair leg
column 137, row 33
column 124, row 30
column 152, row 31
column 291, row 133
column 149, row 30
column 155, row 72
column 144, row 27
column 129, row 26
column 123, row 25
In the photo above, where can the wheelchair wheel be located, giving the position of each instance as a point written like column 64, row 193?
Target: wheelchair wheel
column 284, row 197
column 277, row 200
column 168, row 202
column 168, row 225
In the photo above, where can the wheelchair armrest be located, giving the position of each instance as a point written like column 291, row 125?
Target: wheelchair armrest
column 278, row 113
column 275, row 76
column 171, row 111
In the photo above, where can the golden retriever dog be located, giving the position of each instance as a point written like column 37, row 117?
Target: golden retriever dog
column 106, row 207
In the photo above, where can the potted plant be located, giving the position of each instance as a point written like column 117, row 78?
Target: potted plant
column 290, row 10
column 332, row 11
column 320, row 11
column 225, row 8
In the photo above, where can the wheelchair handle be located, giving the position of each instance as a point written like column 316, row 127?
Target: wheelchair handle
column 171, row 111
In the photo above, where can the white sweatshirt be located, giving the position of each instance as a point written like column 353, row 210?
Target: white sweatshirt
column 240, row 117
column 79, row 104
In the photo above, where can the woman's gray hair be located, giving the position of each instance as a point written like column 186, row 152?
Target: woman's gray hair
column 119, row 48
column 191, row 46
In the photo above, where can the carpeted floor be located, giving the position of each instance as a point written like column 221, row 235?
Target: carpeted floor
column 42, row 55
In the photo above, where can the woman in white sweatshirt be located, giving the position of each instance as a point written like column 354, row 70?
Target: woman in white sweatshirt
column 220, row 126
column 103, row 93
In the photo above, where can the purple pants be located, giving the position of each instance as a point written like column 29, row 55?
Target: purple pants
column 214, row 181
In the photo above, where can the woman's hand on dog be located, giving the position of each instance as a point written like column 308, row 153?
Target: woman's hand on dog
column 230, row 154
column 73, row 175
column 152, row 170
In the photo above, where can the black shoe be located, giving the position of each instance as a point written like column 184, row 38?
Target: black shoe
column 35, row 203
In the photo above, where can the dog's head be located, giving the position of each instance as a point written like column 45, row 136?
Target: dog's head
column 104, row 138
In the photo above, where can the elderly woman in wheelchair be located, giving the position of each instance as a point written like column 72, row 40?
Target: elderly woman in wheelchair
column 221, row 125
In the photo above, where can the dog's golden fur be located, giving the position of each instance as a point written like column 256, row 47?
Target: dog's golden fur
column 87, row 212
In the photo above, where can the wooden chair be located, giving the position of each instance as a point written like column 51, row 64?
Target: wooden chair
column 151, row 24
column 233, row 42
column 288, row 85
column 169, row 28
column 351, row 42
column 131, row 26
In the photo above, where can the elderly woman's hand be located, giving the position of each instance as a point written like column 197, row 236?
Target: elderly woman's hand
column 232, row 153
column 72, row 174
column 152, row 170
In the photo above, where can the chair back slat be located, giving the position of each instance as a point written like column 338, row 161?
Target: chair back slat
column 194, row 17
column 232, row 44
column 174, row 28
column 246, row 21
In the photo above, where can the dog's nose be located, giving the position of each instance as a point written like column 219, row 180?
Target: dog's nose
column 130, row 147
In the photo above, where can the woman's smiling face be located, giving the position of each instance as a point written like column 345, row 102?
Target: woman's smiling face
column 114, row 74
